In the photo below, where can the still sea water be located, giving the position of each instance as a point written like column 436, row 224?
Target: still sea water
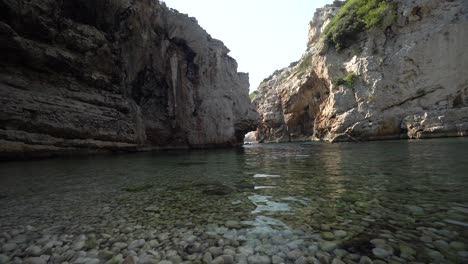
column 372, row 202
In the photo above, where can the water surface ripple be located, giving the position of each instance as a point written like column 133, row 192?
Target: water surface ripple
column 381, row 202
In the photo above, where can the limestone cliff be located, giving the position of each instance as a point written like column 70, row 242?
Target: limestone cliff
column 408, row 79
column 80, row 76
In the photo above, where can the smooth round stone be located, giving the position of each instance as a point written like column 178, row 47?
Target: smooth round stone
column 19, row 239
column 365, row 260
column 386, row 247
column 277, row 260
column 81, row 260
column 426, row 239
column 295, row 254
column 435, row 255
column 218, row 260
column 229, row 251
column 34, row 251
column 15, row 232
column 163, row 236
column 312, row 260
column 440, row 244
column 301, row 260
column 463, row 254
column 322, row 257
column 79, row 243
column 380, row 253
column 35, row 260
column 295, row 244
column 407, row 250
column 155, row 253
column 312, row 249
column 415, row 210
column 459, row 246
column 116, row 259
column 93, row 261
column 387, row 236
column 377, row 242
column 325, row 227
column 328, row 246
column 30, row 228
column 232, row 224
column 446, row 233
column 189, row 238
column 137, row 244
column 175, row 259
column 152, row 209
column 258, row 259
column 127, row 230
column 4, row 259
column 207, row 258
column 353, row 256
column 154, row 243
column 228, row 259
column 340, row 233
column 378, row 261
column 277, row 240
column 105, row 255
column 147, row 260
column 194, row 248
column 337, row 261
column 120, row 245
column 171, row 253
column 9, row 247
column 328, row 236
column 245, row 250
column 165, row 262
column 216, row 251
column 340, row 252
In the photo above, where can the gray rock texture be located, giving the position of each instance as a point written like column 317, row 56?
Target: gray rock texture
column 81, row 76
column 412, row 81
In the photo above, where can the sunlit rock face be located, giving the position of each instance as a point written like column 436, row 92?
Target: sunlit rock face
column 87, row 76
column 411, row 81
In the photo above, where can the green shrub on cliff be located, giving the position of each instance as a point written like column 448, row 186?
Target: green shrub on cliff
column 348, row 80
column 252, row 95
column 357, row 16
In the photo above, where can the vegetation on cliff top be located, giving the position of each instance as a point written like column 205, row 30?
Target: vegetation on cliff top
column 358, row 16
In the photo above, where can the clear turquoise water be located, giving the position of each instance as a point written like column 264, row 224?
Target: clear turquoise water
column 405, row 192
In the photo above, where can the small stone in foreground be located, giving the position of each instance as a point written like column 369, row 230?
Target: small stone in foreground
column 257, row 259
column 9, row 247
column 380, row 253
column 4, row 259
column 328, row 246
column 35, row 260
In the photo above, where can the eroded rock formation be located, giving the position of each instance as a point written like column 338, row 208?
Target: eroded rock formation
column 411, row 80
column 82, row 76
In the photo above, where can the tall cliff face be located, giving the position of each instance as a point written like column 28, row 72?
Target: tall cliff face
column 407, row 80
column 92, row 75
